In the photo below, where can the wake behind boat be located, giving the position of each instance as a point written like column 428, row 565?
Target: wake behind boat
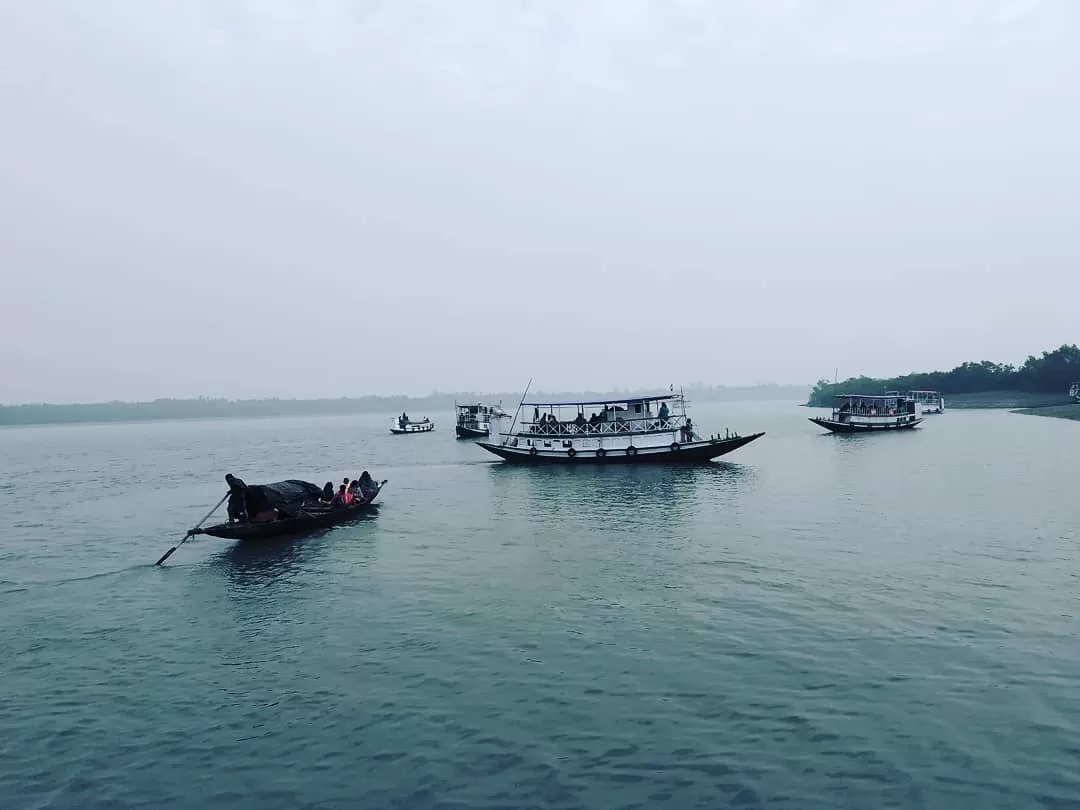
column 620, row 431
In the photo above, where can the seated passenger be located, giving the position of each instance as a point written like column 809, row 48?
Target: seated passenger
column 327, row 493
column 368, row 487
column 339, row 499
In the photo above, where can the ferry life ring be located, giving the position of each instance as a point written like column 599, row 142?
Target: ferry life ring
column 571, row 452
column 674, row 447
column 532, row 450
column 631, row 450
column 601, row 452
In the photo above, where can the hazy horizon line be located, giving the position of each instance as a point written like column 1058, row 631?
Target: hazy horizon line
column 697, row 386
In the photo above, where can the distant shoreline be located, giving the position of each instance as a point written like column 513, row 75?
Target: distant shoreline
column 1069, row 411
column 205, row 408
column 1000, row 400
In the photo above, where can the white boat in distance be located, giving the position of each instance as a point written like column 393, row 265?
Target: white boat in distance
column 636, row 429
column 474, row 419
column 402, row 424
column 929, row 401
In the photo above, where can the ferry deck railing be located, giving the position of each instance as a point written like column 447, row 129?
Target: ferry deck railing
column 840, row 413
column 615, row 427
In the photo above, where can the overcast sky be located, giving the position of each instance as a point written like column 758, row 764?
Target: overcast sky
column 253, row 197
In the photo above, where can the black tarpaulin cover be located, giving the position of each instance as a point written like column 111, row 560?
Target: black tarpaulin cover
column 285, row 496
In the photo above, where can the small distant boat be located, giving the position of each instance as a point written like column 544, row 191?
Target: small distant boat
column 297, row 510
column 1074, row 392
column 634, row 430
column 474, row 419
column 929, row 401
column 402, row 424
column 855, row 413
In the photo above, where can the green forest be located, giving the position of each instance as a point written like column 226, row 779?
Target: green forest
column 1050, row 374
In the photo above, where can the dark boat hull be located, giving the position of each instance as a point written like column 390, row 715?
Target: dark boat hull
column 309, row 522
column 696, row 453
column 847, row 427
column 470, row 433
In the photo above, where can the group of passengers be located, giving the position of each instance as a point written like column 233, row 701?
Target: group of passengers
column 250, row 505
column 349, row 492
column 548, row 423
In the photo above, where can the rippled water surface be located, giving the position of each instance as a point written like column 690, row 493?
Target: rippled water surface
column 821, row 622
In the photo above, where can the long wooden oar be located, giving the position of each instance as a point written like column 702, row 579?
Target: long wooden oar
column 191, row 532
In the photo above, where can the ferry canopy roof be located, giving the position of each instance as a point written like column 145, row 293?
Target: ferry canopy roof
column 609, row 401
column 866, row 396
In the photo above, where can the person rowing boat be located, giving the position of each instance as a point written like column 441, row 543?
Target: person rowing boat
column 238, row 512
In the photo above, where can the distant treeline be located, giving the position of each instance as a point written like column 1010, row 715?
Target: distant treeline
column 207, row 408
column 1050, row 374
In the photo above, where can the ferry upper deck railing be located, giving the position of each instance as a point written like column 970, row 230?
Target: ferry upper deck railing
column 614, row 427
column 875, row 412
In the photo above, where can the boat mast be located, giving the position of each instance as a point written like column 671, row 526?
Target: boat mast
column 514, row 422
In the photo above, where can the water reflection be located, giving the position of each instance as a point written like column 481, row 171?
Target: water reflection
column 255, row 564
column 597, row 492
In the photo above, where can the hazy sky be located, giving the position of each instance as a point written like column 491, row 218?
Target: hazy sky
column 253, row 197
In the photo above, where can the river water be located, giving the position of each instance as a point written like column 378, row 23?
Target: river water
column 818, row 622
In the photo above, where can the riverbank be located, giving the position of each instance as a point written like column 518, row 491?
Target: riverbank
column 1005, row 400
column 1070, row 411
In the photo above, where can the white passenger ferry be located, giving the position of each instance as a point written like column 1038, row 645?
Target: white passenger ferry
column 929, row 401
column 403, row 424
column 474, row 419
column 855, row 413
column 1074, row 391
column 633, row 430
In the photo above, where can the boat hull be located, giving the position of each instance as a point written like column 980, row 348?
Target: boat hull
column 692, row 453
column 311, row 522
column 847, row 427
column 413, row 428
column 470, row 433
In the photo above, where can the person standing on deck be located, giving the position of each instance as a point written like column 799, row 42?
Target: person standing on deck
column 237, row 498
